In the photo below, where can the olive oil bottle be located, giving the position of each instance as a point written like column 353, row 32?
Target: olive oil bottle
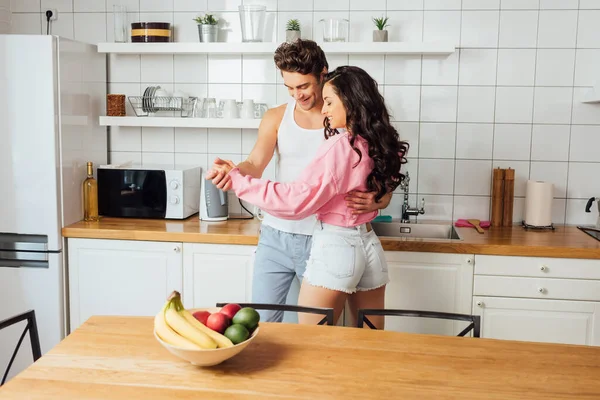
column 90, row 195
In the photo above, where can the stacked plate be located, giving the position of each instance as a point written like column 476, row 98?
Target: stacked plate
column 148, row 99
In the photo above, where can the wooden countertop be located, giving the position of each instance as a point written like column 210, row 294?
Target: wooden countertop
column 564, row 241
column 119, row 358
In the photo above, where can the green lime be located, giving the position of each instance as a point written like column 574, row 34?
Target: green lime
column 236, row 333
column 248, row 317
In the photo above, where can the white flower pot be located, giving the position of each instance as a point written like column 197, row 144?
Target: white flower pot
column 291, row 36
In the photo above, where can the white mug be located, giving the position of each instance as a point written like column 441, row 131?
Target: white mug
column 229, row 109
column 248, row 109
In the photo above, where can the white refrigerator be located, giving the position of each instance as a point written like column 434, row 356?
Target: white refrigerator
column 52, row 91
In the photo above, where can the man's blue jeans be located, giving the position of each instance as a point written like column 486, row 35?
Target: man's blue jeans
column 280, row 257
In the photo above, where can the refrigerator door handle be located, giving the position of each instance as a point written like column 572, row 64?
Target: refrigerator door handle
column 20, row 259
column 20, row 242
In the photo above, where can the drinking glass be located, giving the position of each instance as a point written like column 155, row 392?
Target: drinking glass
column 120, row 22
column 252, row 20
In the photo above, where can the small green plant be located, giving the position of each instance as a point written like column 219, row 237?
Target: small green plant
column 381, row 23
column 293, row 25
column 208, row 19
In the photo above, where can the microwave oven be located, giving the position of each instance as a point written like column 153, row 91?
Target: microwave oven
column 148, row 191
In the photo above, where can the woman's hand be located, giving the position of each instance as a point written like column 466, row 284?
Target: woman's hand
column 364, row 202
column 219, row 173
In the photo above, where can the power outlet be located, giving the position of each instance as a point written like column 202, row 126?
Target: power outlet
column 54, row 12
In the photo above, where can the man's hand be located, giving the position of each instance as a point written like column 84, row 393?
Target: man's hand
column 364, row 202
column 219, row 173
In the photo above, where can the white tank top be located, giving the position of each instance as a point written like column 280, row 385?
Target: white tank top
column 295, row 149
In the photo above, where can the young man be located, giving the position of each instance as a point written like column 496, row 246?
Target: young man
column 295, row 131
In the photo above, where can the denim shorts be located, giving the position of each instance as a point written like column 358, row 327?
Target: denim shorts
column 346, row 259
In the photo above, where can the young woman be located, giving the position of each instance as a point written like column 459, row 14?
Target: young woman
column 346, row 259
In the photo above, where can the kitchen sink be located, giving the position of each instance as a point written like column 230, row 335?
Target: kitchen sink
column 416, row 230
column 592, row 231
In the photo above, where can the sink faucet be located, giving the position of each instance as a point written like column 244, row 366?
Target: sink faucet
column 407, row 211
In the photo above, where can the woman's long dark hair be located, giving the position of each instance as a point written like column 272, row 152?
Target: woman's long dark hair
column 367, row 116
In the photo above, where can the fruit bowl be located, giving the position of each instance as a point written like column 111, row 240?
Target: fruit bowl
column 207, row 358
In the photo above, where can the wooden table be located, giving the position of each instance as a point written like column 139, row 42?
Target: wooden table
column 118, row 358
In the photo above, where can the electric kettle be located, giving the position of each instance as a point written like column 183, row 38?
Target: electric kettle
column 214, row 205
column 588, row 208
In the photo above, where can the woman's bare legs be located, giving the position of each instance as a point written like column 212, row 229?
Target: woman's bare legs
column 316, row 296
column 368, row 299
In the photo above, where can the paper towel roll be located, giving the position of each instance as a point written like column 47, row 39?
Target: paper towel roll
column 538, row 203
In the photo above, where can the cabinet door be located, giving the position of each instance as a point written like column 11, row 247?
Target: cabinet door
column 552, row 321
column 429, row 282
column 214, row 273
column 119, row 277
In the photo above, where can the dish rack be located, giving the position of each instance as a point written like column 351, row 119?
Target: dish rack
column 145, row 106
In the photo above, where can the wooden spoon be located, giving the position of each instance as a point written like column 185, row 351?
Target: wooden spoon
column 475, row 223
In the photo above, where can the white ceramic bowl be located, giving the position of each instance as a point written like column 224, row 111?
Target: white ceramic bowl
column 207, row 358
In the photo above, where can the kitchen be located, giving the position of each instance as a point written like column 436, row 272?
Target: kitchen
column 515, row 90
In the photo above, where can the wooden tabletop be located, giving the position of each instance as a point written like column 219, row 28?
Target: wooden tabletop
column 564, row 241
column 118, row 358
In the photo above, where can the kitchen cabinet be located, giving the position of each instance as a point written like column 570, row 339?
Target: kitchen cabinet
column 430, row 282
column 215, row 273
column 553, row 300
column 121, row 277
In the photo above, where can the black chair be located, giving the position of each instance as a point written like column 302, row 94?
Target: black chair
column 475, row 320
column 33, row 336
column 327, row 312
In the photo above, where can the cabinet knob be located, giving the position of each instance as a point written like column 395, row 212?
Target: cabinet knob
column 176, row 249
column 480, row 303
column 470, row 260
column 543, row 268
column 541, row 290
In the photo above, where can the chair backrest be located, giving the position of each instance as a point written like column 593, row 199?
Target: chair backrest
column 33, row 336
column 475, row 320
column 327, row 312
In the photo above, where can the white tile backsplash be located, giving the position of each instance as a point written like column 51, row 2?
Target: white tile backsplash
column 476, row 103
column 552, row 105
column 518, row 29
column 550, row 142
column 441, row 25
column 512, row 142
column 474, row 141
column 437, row 140
column 478, row 66
column 440, row 71
column 480, row 29
column 516, row 67
column 514, row 104
column 438, row 103
column 510, row 96
column 555, row 67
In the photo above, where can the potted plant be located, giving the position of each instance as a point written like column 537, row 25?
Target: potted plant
column 207, row 28
column 292, row 30
column 380, row 34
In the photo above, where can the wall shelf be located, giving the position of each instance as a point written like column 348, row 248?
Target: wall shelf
column 433, row 48
column 176, row 122
column 593, row 95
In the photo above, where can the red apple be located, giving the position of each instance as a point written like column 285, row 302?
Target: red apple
column 218, row 322
column 201, row 316
column 230, row 309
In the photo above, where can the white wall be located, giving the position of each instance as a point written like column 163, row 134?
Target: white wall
column 509, row 98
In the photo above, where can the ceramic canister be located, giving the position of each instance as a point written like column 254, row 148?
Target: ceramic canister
column 150, row 32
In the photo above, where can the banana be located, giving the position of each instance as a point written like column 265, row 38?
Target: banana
column 180, row 325
column 168, row 335
column 222, row 341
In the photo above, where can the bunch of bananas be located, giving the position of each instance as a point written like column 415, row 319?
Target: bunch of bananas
column 177, row 326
